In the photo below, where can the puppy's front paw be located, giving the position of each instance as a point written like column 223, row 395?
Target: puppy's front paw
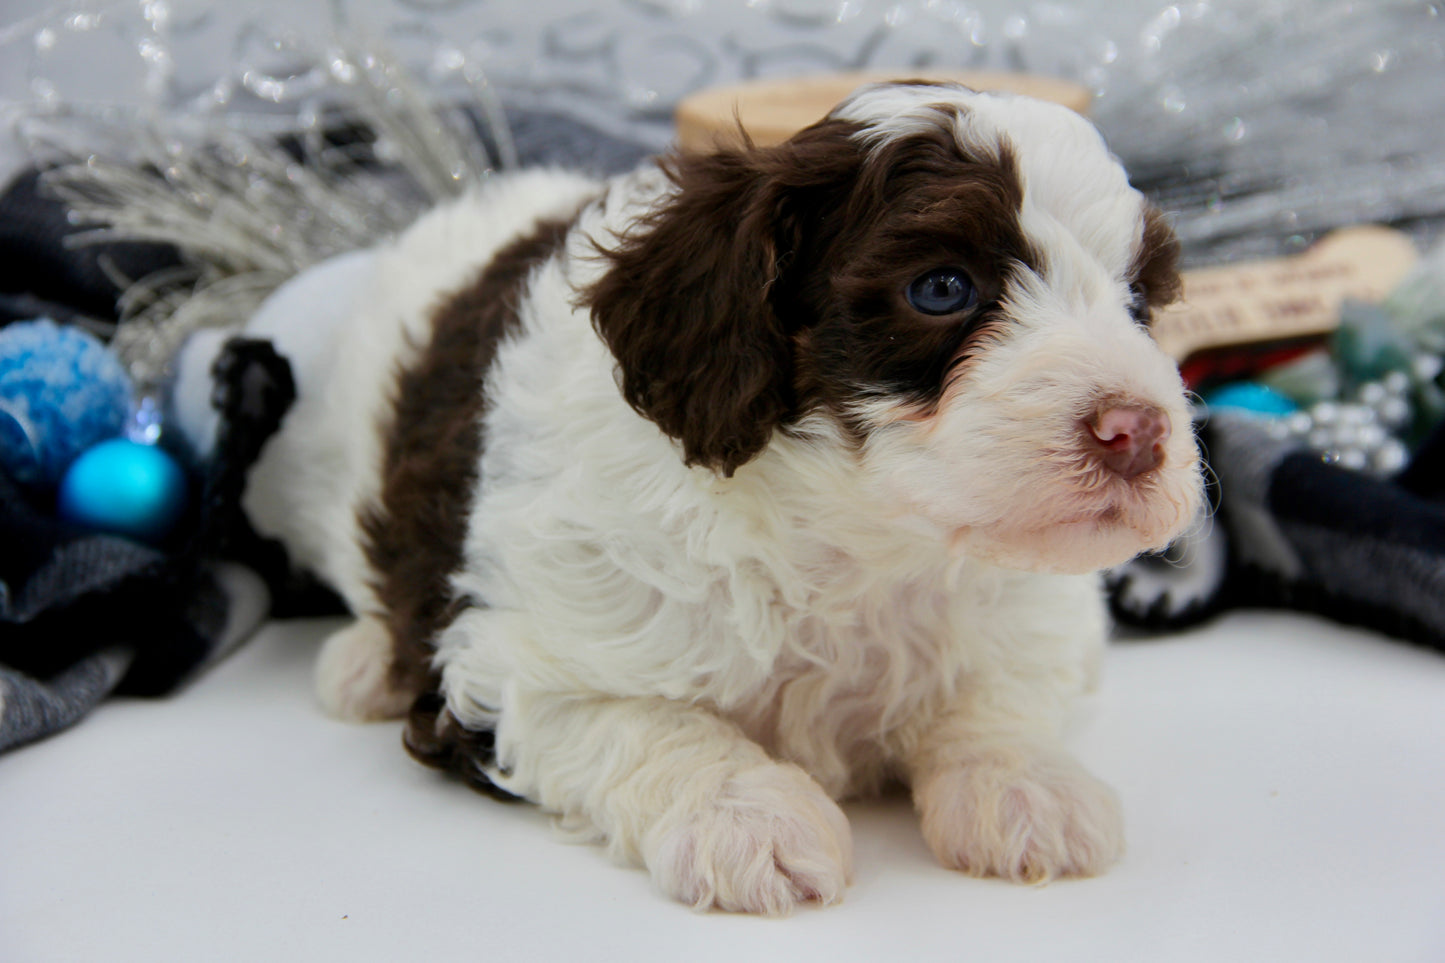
column 769, row 840
column 352, row 674
column 1024, row 815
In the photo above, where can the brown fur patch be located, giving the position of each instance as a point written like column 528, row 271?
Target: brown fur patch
column 414, row 533
column 1154, row 274
column 774, row 281
column 686, row 308
column 435, row 738
column 922, row 204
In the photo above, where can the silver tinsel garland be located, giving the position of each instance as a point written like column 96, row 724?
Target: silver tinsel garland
column 249, row 211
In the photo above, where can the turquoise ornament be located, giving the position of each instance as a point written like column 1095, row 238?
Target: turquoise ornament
column 126, row 488
column 1251, row 398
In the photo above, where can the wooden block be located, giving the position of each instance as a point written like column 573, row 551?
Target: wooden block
column 1284, row 299
column 771, row 111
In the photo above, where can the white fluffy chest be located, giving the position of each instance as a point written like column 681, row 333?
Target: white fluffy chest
column 855, row 668
column 864, row 670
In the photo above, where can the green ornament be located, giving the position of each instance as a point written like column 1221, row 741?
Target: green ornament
column 1307, row 380
column 1368, row 343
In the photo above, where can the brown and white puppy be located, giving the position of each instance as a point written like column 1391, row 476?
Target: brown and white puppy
column 702, row 498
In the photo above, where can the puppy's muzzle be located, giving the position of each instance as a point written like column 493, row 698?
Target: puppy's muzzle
column 1128, row 439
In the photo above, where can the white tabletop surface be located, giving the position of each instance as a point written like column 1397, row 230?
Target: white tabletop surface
column 1284, row 782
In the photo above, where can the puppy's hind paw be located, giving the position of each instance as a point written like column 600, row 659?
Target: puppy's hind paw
column 1025, row 817
column 770, row 840
column 352, row 674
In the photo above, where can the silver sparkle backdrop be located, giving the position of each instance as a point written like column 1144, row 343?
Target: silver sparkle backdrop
column 1261, row 123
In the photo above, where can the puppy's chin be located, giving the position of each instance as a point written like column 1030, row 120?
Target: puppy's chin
column 1040, row 519
column 1035, row 494
column 1093, row 531
column 1060, row 548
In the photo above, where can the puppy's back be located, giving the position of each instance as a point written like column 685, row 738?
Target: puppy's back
column 324, row 472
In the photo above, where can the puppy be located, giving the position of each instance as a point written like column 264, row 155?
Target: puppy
column 688, row 503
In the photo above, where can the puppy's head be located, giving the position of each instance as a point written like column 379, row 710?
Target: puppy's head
column 960, row 282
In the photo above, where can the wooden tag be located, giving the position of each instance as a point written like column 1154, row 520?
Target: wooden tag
column 771, row 111
column 1284, row 298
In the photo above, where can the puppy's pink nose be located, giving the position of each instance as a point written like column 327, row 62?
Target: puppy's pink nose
column 1130, row 438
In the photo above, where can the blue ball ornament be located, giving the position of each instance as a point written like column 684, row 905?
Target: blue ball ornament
column 124, row 487
column 61, row 392
column 1250, row 398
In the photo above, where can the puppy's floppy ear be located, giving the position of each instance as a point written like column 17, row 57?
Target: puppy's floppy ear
column 689, row 305
column 1156, row 281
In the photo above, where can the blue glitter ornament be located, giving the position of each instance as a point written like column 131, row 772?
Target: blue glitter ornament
column 124, row 487
column 61, row 391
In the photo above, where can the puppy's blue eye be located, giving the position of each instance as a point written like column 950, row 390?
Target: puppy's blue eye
column 942, row 291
